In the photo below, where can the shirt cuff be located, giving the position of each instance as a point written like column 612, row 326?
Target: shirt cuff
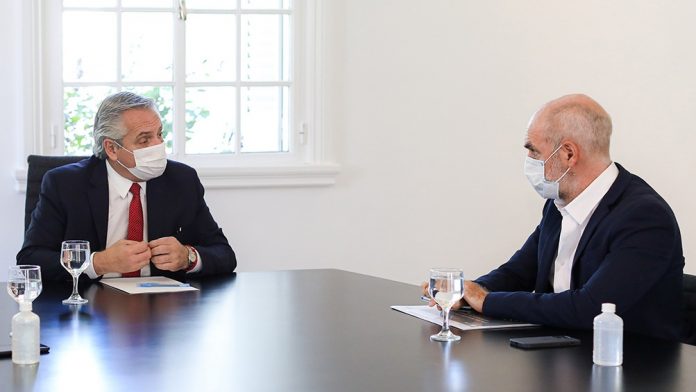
column 90, row 268
column 145, row 271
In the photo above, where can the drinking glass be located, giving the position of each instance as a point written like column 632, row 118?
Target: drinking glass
column 446, row 287
column 75, row 258
column 24, row 283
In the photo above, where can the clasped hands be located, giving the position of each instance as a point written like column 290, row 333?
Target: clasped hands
column 474, row 295
column 166, row 253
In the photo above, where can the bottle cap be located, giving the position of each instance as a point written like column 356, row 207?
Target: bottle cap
column 607, row 307
column 25, row 306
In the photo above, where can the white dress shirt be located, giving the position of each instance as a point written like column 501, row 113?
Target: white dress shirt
column 117, row 226
column 576, row 215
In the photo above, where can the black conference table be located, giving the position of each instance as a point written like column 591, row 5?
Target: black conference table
column 307, row 330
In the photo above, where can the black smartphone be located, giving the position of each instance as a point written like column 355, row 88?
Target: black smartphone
column 544, row 342
column 6, row 350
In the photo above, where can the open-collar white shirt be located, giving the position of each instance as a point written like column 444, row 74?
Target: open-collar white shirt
column 576, row 215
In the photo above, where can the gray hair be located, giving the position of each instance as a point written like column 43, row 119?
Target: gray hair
column 107, row 121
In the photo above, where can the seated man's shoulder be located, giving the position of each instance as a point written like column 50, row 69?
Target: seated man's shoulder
column 640, row 195
column 75, row 170
column 180, row 170
column 640, row 190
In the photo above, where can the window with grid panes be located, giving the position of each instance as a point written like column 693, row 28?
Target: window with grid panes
column 220, row 71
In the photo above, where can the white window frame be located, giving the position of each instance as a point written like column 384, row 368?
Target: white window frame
column 308, row 163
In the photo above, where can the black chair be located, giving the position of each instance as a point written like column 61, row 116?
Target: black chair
column 689, row 292
column 38, row 165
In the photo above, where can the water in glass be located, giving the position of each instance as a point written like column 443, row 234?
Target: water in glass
column 446, row 287
column 24, row 282
column 75, row 258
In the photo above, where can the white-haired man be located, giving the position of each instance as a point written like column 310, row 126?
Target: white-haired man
column 141, row 213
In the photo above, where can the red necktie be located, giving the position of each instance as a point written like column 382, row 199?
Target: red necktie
column 135, row 222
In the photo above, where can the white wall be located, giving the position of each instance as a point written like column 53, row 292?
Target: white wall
column 428, row 107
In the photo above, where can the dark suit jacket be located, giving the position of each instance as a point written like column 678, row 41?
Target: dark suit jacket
column 630, row 254
column 74, row 204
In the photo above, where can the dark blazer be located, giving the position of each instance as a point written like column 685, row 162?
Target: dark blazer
column 74, row 204
column 630, row 254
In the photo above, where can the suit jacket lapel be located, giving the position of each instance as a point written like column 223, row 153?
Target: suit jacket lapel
column 98, row 196
column 158, row 211
column 156, row 207
column 603, row 209
column 549, row 237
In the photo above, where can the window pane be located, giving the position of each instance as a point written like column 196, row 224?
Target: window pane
column 79, row 107
column 210, row 48
column 265, row 4
column 287, row 57
column 89, row 57
column 89, row 3
column 147, row 46
column 210, row 120
column 147, row 3
column 211, row 4
column 164, row 99
column 264, row 112
column 263, row 47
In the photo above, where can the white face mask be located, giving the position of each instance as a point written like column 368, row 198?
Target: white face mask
column 150, row 162
column 534, row 170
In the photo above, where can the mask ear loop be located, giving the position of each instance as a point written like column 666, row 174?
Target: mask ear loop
column 118, row 160
column 563, row 175
column 552, row 154
column 131, row 152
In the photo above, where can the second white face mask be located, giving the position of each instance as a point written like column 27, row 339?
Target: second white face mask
column 150, row 162
column 534, row 171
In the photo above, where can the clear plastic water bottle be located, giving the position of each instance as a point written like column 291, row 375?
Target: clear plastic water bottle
column 608, row 337
column 25, row 336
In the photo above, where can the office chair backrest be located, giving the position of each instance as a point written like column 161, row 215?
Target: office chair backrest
column 38, row 166
column 689, row 287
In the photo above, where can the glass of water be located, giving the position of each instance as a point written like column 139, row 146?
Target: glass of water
column 75, row 258
column 24, row 283
column 446, row 287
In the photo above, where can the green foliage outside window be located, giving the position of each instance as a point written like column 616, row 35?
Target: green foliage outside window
column 81, row 104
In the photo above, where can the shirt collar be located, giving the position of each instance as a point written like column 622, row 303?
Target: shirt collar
column 582, row 207
column 119, row 183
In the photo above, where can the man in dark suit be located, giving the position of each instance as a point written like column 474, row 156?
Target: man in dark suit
column 142, row 214
column 605, row 235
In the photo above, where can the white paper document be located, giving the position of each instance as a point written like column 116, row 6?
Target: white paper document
column 462, row 319
column 147, row 284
